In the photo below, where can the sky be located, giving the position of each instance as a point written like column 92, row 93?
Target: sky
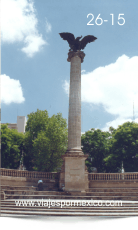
column 35, row 72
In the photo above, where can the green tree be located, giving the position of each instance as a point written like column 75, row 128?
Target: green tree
column 96, row 143
column 124, row 148
column 45, row 141
column 11, row 146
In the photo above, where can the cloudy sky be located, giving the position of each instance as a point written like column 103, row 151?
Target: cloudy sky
column 35, row 71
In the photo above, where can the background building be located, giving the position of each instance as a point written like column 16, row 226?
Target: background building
column 20, row 125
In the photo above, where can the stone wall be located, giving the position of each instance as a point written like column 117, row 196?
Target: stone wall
column 113, row 180
column 113, row 184
column 14, row 177
column 49, row 184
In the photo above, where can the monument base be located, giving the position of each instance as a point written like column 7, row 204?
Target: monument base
column 74, row 175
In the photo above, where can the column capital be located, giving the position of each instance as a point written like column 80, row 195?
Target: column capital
column 72, row 54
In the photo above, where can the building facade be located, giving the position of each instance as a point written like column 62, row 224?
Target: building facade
column 20, row 125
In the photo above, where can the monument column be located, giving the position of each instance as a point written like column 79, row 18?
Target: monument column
column 74, row 175
column 74, row 118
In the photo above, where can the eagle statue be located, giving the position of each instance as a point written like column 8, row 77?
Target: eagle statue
column 76, row 44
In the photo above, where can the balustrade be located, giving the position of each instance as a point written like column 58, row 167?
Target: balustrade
column 54, row 175
column 112, row 176
column 28, row 174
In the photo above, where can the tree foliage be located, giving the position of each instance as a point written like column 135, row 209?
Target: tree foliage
column 124, row 148
column 108, row 150
column 96, row 143
column 11, row 147
column 45, row 141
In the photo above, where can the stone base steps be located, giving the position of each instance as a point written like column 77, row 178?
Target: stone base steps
column 97, row 193
column 22, row 188
column 64, row 195
column 34, row 192
column 127, row 189
column 129, row 208
column 133, row 198
column 8, row 187
column 109, row 214
column 98, row 189
column 10, row 194
column 2, row 195
column 28, row 192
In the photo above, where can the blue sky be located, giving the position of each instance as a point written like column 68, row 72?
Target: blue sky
column 35, row 72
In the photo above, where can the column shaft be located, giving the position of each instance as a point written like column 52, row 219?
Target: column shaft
column 74, row 119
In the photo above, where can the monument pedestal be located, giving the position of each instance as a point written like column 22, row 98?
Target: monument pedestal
column 74, row 175
column 76, row 178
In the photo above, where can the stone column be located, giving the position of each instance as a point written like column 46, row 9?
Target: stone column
column 74, row 175
column 74, row 118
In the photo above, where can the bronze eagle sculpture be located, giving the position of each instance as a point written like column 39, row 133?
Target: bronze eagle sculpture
column 76, row 44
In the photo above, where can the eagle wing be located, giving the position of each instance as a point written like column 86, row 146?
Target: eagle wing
column 69, row 37
column 87, row 39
